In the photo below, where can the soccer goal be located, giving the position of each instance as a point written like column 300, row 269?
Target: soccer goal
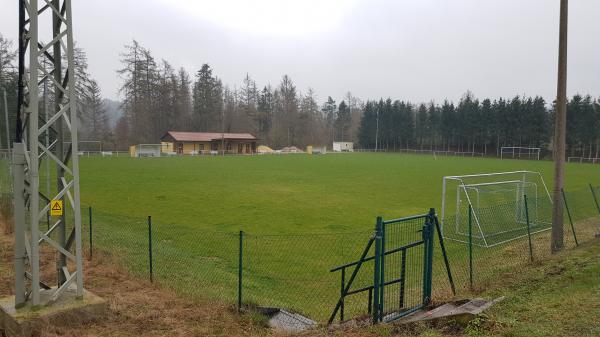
column 516, row 152
column 494, row 208
column 583, row 160
column 86, row 147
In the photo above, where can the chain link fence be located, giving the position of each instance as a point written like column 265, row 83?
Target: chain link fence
column 293, row 271
column 6, row 209
column 475, row 267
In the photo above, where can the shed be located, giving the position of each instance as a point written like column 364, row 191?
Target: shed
column 145, row 150
column 343, row 146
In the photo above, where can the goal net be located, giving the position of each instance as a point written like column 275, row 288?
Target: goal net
column 85, row 147
column 516, row 152
column 494, row 208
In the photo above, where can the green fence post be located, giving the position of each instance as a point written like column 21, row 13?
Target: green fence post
column 382, row 271
column 470, row 248
column 564, row 197
column 376, row 271
column 595, row 198
column 240, row 268
column 343, row 286
column 91, row 232
column 528, row 228
column 427, row 256
column 402, row 277
column 150, row 248
column 444, row 254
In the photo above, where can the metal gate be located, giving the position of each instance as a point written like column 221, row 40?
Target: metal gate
column 402, row 268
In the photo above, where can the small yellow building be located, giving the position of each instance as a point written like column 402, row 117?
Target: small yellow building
column 194, row 143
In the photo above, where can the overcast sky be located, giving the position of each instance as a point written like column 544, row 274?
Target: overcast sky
column 416, row 50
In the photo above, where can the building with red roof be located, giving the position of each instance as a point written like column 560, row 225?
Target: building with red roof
column 208, row 142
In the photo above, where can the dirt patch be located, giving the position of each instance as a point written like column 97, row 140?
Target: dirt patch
column 136, row 307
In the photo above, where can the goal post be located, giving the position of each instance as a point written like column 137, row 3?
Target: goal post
column 583, row 160
column 85, row 147
column 497, row 205
column 518, row 152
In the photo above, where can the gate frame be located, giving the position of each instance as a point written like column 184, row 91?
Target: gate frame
column 376, row 291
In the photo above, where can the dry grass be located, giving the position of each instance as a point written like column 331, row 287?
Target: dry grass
column 136, row 307
column 6, row 214
column 139, row 308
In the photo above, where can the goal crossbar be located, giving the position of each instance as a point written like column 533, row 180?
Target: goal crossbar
column 493, row 183
column 520, row 150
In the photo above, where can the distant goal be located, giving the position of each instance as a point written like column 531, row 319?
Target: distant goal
column 584, row 160
column 498, row 209
column 517, row 152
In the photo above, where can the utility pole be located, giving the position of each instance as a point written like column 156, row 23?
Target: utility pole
column 223, row 131
column 377, row 131
column 557, row 238
column 6, row 123
column 30, row 149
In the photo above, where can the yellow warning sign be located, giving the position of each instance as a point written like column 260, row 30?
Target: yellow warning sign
column 56, row 208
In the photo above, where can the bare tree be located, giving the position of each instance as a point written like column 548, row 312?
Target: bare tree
column 95, row 120
column 7, row 57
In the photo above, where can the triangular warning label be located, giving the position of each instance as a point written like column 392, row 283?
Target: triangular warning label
column 56, row 208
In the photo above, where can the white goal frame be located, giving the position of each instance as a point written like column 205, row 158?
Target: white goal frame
column 583, row 160
column 463, row 186
column 83, row 152
column 517, row 151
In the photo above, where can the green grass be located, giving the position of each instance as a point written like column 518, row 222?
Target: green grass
column 302, row 214
column 558, row 298
column 286, row 194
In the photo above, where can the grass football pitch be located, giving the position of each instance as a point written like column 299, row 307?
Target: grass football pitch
column 302, row 214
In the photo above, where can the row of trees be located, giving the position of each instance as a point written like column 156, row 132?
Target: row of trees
column 156, row 98
column 8, row 85
column 483, row 126
column 91, row 112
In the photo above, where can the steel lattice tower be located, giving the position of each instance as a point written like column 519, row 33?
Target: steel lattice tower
column 51, row 19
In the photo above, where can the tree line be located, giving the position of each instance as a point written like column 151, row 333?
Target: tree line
column 92, row 118
column 482, row 126
column 156, row 97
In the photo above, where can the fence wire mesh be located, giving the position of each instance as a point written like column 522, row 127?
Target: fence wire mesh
column 476, row 266
column 293, row 271
column 406, row 265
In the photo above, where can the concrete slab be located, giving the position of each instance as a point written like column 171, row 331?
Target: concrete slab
column 28, row 321
column 286, row 321
column 462, row 311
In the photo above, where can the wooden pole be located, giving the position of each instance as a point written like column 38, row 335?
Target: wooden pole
column 557, row 241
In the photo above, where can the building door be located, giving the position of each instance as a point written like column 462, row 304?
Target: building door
column 240, row 148
column 179, row 148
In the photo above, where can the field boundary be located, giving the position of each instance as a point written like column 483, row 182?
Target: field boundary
column 292, row 271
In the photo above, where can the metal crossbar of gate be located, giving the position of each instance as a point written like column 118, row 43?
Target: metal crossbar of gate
column 402, row 268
